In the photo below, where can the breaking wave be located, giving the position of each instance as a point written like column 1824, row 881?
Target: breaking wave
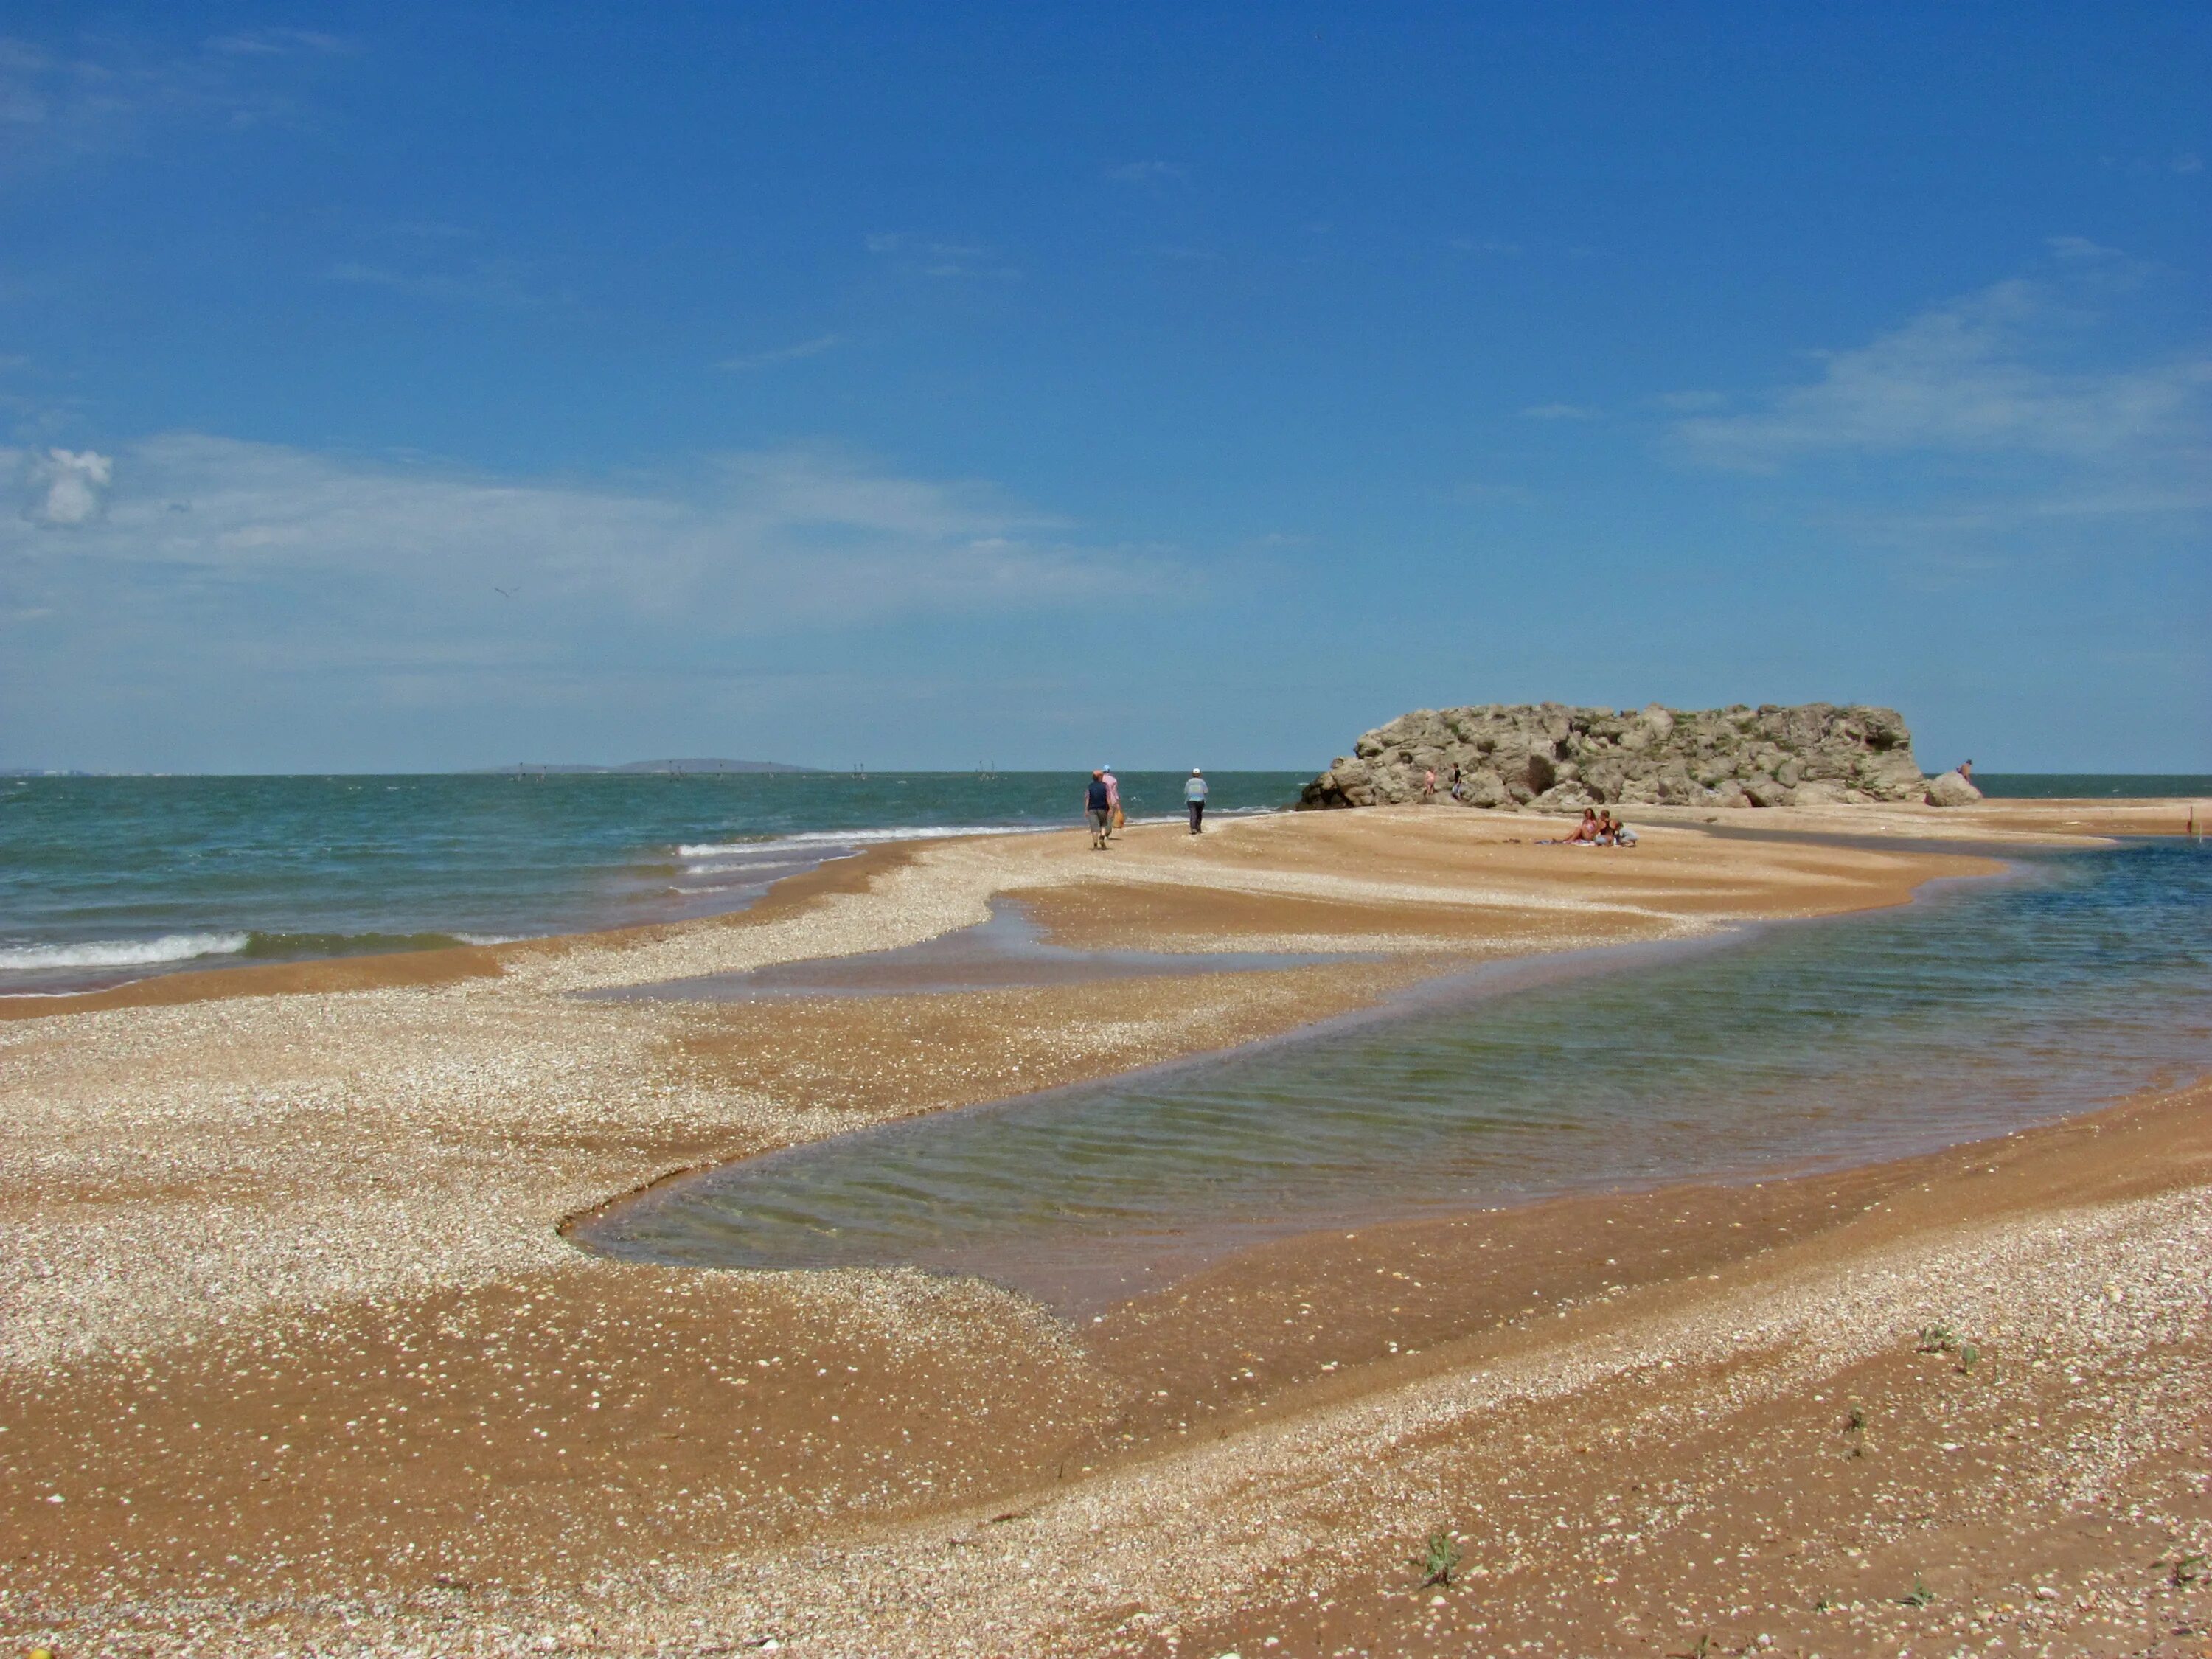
column 124, row 952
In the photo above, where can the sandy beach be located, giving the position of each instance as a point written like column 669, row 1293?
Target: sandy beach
column 296, row 1357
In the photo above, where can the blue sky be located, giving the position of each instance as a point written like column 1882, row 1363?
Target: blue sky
column 1176, row 384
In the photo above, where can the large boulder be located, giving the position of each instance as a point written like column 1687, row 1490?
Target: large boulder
column 1556, row 757
column 1952, row 789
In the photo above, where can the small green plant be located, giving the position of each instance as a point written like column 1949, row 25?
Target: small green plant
column 1937, row 1339
column 1856, row 1421
column 2186, row 1571
column 1439, row 1558
column 1919, row 1595
column 1969, row 1356
column 1822, row 1605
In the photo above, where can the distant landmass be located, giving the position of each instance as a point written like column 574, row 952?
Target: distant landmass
column 702, row 764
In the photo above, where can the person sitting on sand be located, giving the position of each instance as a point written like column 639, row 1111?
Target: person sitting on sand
column 1099, row 807
column 1621, row 834
column 1585, row 833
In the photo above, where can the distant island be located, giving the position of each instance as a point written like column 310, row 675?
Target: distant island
column 1557, row 758
column 709, row 764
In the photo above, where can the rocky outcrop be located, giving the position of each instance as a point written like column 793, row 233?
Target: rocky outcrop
column 1952, row 789
column 1556, row 758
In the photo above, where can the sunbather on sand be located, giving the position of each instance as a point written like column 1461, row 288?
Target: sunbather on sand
column 1585, row 834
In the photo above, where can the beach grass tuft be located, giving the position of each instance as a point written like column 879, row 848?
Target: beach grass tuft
column 1439, row 1558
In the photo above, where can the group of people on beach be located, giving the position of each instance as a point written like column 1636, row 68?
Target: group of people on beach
column 1598, row 828
column 1101, row 804
column 1458, row 785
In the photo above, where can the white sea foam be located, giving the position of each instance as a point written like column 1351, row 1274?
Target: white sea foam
column 122, row 952
column 849, row 838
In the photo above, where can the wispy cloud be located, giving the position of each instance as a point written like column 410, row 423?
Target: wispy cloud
column 1482, row 492
column 1148, row 172
column 1560, row 412
column 2024, row 420
column 790, row 353
column 2183, row 162
column 60, row 103
column 1987, row 375
column 921, row 256
column 274, row 536
column 478, row 281
column 1496, row 244
column 278, row 43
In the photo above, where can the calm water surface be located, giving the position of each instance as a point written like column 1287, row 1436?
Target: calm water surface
column 1987, row 1006
column 107, row 879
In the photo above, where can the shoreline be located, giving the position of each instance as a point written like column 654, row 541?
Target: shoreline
column 231, row 1213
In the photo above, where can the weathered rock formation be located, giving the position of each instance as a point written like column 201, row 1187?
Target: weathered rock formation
column 1552, row 757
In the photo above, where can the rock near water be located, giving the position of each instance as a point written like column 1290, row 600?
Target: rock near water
column 1552, row 757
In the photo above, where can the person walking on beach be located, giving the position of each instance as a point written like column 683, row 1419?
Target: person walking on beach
column 1429, row 787
column 1099, row 807
column 1114, row 816
column 1194, row 796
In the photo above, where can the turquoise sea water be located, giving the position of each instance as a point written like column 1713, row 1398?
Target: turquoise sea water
column 1985, row 1007
column 2067, row 786
column 107, row 879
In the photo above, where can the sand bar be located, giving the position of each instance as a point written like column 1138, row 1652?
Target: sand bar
column 292, row 1335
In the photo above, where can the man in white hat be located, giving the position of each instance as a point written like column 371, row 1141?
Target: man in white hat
column 1194, row 797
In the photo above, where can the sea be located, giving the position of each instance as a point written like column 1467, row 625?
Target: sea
column 108, row 879
column 105, row 880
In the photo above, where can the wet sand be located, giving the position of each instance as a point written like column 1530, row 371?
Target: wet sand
column 292, row 1335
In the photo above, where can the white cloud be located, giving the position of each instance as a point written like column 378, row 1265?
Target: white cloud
column 1997, row 375
column 66, row 486
column 789, row 354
